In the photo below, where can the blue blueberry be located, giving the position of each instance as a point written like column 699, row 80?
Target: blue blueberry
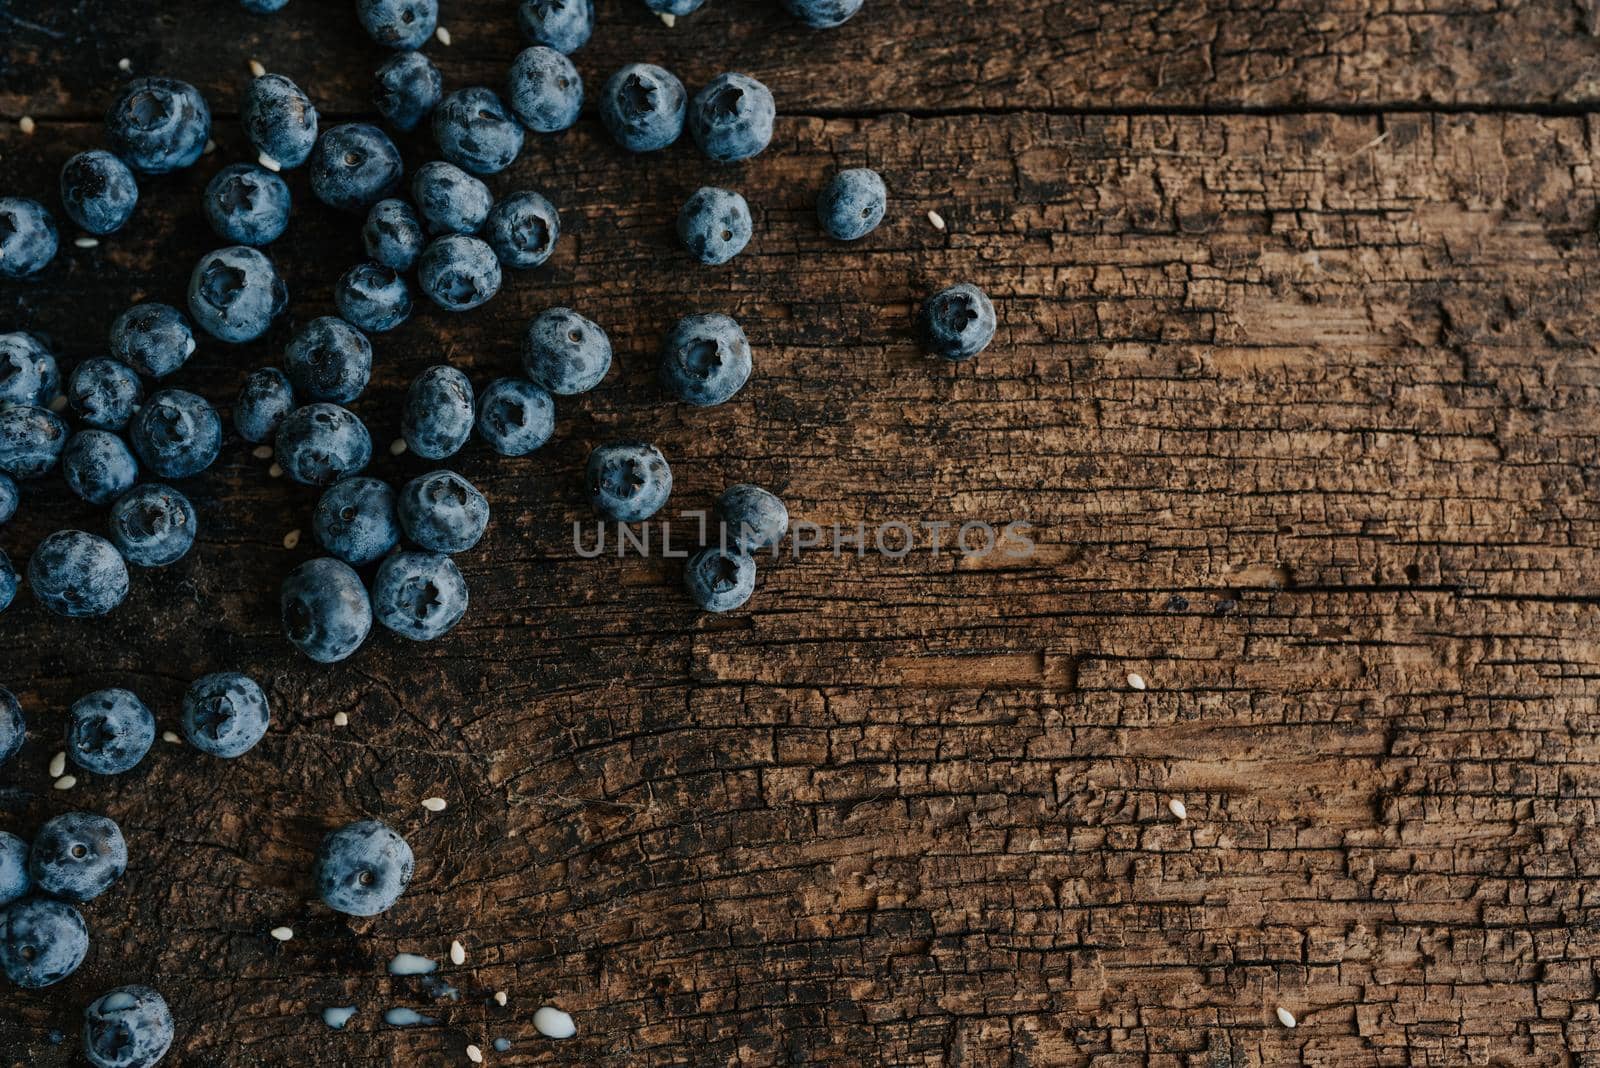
column 131, row 1026
column 398, row 23
column 8, row 579
column 31, row 440
column 752, row 518
column 9, row 498
column 41, row 942
column 852, row 204
column 674, row 7
column 731, row 118
column 409, row 88
column 419, row 595
column 564, row 25
column 356, row 520
column 522, row 229
column 12, row 725
column 322, row 443
column 153, row 339
column 628, row 481
column 474, row 131
column 443, row 512
column 458, row 272
column 158, row 125
column 705, row 359
column 280, row 120
column 957, row 323
column 153, row 525
column 544, row 89
column 450, row 200
column 720, row 580
column 26, row 371
column 224, row 714
column 437, row 418
column 235, row 293
column 564, row 352
column 28, row 237
column 715, row 225
column 515, row 416
column 247, row 204
column 176, row 434
column 97, row 466
column 373, row 297
column 14, row 880
column 643, row 105
column 363, row 868
column 77, row 575
column 265, row 399
column 823, row 14
column 110, row 731
column 354, row 166
column 393, row 235
column 98, row 191
column 329, row 360
column 103, row 393
column 77, row 856
column 326, row 613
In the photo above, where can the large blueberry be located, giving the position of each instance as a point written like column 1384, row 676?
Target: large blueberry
column 515, row 416
column 705, row 359
column 714, row 224
column 720, row 580
column 224, row 714
column 8, row 577
column 443, row 512
column 14, row 880
column 103, row 393
column 823, row 14
column 158, row 125
column 564, row 352
column 10, row 499
column 409, row 87
column 458, row 272
column 280, row 120
column 522, row 229
column 31, row 440
column 628, row 481
column 176, row 434
column 153, row 339
column 852, row 204
column 329, row 360
column 28, row 237
column 373, row 297
column 564, row 25
column 97, row 466
column 393, row 234
column 41, row 941
column 450, row 200
column 264, row 400
column 235, row 293
column 752, row 518
column 75, row 574
column 398, row 23
column 77, row 856
column 13, row 727
column 544, row 89
column 326, row 613
column 247, row 204
column 109, row 731
column 153, row 525
column 356, row 520
column 98, row 191
column 363, row 868
column 26, row 368
column 437, row 418
column 643, row 105
column 354, row 166
column 322, row 443
column 419, row 595
column 474, row 131
column 731, row 117
column 957, row 323
column 129, row 1027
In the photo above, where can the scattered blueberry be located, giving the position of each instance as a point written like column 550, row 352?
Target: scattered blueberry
column 131, row 1026
column 326, row 613
column 564, row 352
column 26, row 367
column 235, row 293
column 28, row 237
column 852, row 204
column 176, row 434
column 363, row 868
column 409, row 87
column 715, row 225
column 14, row 880
column 393, row 234
column 450, row 200
column 153, row 339
column 98, row 191
column 398, row 23
column 31, row 440
column 8, row 579
column 705, row 359
column 12, row 725
column 97, row 466
column 474, row 131
column 643, row 107
column 373, row 297
column 153, row 525
column 158, row 125
column 458, row 272
column 247, row 204
column 354, row 166
column 628, row 480
column 957, row 323
column 443, row 512
column 356, row 521
column 437, row 418
column 41, row 942
column 280, row 120
column 731, row 118
column 110, row 731
column 823, row 14
column 329, row 360
column 77, row 856
column 264, row 400
column 322, row 443
column 752, row 517
column 544, row 89
column 103, row 393
column 515, row 416
column 720, row 580
column 674, row 7
column 9, row 498
column 419, row 595
column 564, row 25
column 224, row 714
column 75, row 574
column 522, row 229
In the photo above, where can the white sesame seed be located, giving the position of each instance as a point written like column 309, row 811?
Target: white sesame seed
column 211, row 146
column 262, row 452
column 341, row 719
column 269, row 163
column 275, row 471
column 256, row 69
column 474, row 1054
column 282, row 934
column 171, row 738
column 86, row 242
column 668, row 18
column 397, row 446
column 937, row 220
column 458, row 953
column 1285, row 1017
column 291, row 539
column 434, row 804
column 1178, row 809
column 66, row 782
column 27, row 125
column 551, row 1022
column 443, row 35
column 58, row 765
column 124, row 64
column 1136, row 681
column 500, row 997
column 59, row 405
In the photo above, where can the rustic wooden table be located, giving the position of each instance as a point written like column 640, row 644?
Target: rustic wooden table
column 1297, row 378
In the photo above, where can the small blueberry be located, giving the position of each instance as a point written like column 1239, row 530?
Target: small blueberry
column 545, row 90
column 176, row 434
column 705, row 360
column 363, row 868
column 103, row 393
column 522, row 229
column 643, row 106
column 356, row 521
column 131, row 1026
column 409, row 88
column 31, row 440
column 326, row 613
column 77, row 856
column 852, row 204
column 437, row 418
column 443, row 512
column 77, row 575
column 564, row 352
column 731, row 118
column 515, row 417
column 419, row 595
column 398, row 23
column 752, row 518
column 280, row 120
column 98, row 191
column 26, row 368
column 474, row 131
column 41, row 941
column 322, row 443
column 28, row 237
column 224, row 714
column 328, row 360
column 153, row 339
column 373, row 297
column 458, row 272
column 450, row 200
column 823, row 14
column 247, row 204
column 628, row 481
column 264, row 400
column 393, row 234
column 714, row 224
column 97, row 466
column 720, row 580
column 564, row 25
column 153, row 525
column 354, row 166
column 957, row 323
column 109, row 731
column 235, row 293
column 158, row 125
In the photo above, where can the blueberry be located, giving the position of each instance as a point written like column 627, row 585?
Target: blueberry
column 373, row 297
column 153, row 525
column 354, row 166
column 458, row 272
column 224, row 714
column 12, row 725
column 14, row 880
column 705, row 359
column 97, row 466
column 110, row 731
column 326, row 613
column 176, row 434
column 235, row 293
column 363, row 868
column 356, row 521
column 957, row 323
column 158, row 125
column 564, row 25
column 31, row 440
column 628, row 481
column 419, row 595
column 8, row 579
column 752, row 518
column 674, row 7
column 131, row 1026
column 437, row 418
column 28, row 237
column 522, row 229
column 77, row 856
column 103, row 393
column 264, row 400
column 41, row 942
column 731, row 118
column 280, row 120
column 443, row 512
column 515, row 416
column 450, row 200
column 322, row 443
column 153, row 339
column 643, row 107
column 393, row 234
column 9, row 498
column 564, row 352
column 398, row 23
column 544, row 89
column 98, row 191
column 715, row 225
column 852, row 204
column 720, row 580
column 26, row 368
column 409, row 87
column 823, row 14
column 474, row 131
column 329, row 360
column 247, row 204
column 75, row 574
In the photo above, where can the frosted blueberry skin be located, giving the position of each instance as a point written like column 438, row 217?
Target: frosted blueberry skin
column 475, row 132
column 97, row 466
column 564, row 25
column 515, row 417
column 363, row 868
column 265, row 399
column 731, row 117
column 28, row 237
column 437, row 418
column 443, row 512
column 98, row 191
column 544, row 89
column 77, row 575
column 823, row 14
column 450, row 200
column 247, row 204
column 41, row 942
column 13, row 727
column 321, row 443
column 176, row 434
column 354, row 166
column 643, row 105
column 329, row 360
column 628, row 481
column 109, row 731
column 419, row 595
column 26, row 368
column 158, row 125
column 224, row 714
column 674, row 7
column 103, row 393
column 326, row 613
column 393, row 235
column 957, row 323
column 523, row 230
column 408, row 89
column 564, row 352
column 752, row 517
column 705, row 360
column 14, row 879
column 280, row 120
column 715, row 225
column 9, row 498
column 131, row 1026
column 459, row 273
column 235, row 293
column 356, row 520
column 8, row 579
column 77, row 856
column 398, row 23
column 153, row 525
column 720, row 580
column 31, row 440
column 373, row 297
column 852, row 204
column 153, row 339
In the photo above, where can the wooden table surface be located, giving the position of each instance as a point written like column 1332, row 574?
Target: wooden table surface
column 1297, row 379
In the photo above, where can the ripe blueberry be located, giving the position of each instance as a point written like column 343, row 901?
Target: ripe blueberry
column 443, row 512
column 176, row 434
column 235, row 293
column 720, row 580
column 474, row 131
column 153, row 525
column 437, row 418
column 355, row 520
column 714, row 224
column 643, row 105
column 564, row 352
column 103, row 393
column 705, row 359
column 224, row 714
column 409, row 87
column 98, row 191
column 393, row 235
column 458, row 272
column 419, row 595
column 158, row 125
column 153, row 339
column 97, row 466
column 326, row 613
column 322, row 443
column 28, row 237
column 77, row 856
column 522, row 229
column 264, row 400
column 544, row 89
column 515, row 417
column 354, row 166
column 131, row 1026
column 41, row 942
column 957, row 323
column 731, row 117
column 247, row 204
column 628, row 481
column 77, row 575
column 329, row 360
column 363, row 868
column 280, row 120
column 373, row 297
